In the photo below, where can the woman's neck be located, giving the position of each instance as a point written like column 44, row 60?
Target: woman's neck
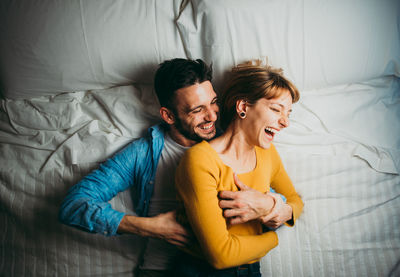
column 235, row 150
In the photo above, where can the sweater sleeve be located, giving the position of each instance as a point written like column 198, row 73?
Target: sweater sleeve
column 282, row 184
column 86, row 204
column 196, row 182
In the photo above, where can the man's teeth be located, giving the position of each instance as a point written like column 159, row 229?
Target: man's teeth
column 270, row 130
column 206, row 127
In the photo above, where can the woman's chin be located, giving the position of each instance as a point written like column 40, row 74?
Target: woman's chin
column 265, row 145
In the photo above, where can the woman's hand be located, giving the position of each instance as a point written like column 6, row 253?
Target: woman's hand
column 280, row 213
column 246, row 204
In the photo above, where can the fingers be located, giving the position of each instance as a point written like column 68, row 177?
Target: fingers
column 179, row 240
column 269, row 216
column 233, row 213
column 237, row 220
column 239, row 183
column 231, row 204
column 226, row 194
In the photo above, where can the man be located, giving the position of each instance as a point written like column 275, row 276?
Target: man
column 189, row 110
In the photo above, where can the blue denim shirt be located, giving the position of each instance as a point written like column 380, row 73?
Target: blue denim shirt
column 86, row 204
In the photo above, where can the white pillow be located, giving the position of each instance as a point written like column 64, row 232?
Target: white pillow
column 51, row 46
column 317, row 43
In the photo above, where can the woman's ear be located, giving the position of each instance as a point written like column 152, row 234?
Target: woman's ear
column 167, row 115
column 241, row 107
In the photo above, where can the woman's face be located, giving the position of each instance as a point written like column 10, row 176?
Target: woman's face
column 266, row 118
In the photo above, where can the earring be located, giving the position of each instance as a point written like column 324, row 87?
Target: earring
column 242, row 115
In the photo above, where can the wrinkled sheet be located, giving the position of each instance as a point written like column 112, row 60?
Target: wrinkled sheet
column 351, row 216
column 54, row 46
column 318, row 43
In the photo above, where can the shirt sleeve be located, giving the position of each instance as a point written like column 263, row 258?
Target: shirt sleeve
column 86, row 204
column 282, row 184
column 196, row 182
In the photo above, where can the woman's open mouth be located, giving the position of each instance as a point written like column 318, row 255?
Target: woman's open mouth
column 270, row 132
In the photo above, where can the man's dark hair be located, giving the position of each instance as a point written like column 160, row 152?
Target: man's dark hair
column 176, row 74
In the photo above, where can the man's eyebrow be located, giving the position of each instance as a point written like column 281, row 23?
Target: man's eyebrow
column 199, row 106
column 194, row 108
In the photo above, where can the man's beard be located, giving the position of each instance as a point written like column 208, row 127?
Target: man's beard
column 187, row 132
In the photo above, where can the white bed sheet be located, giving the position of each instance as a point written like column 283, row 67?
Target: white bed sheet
column 359, row 119
column 53, row 46
column 349, row 226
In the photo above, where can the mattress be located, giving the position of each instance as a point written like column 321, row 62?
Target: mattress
column 349, row 226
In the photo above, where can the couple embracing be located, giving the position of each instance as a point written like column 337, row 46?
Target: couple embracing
column 211, row 195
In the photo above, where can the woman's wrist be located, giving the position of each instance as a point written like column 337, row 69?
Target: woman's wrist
column 270, row 205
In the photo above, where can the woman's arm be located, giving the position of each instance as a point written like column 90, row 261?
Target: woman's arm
column 196, row 182
column 282, row 184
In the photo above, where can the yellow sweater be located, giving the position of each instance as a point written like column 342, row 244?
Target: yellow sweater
column 200, row 175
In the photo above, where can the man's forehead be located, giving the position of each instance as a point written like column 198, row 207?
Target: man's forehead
column 194, row 95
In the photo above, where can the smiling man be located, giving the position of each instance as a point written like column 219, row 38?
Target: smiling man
column 189, row 112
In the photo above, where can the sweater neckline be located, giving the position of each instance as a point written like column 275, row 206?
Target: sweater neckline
column 227, row 166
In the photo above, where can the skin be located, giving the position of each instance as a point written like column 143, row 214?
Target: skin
column 193, row 120
column 236, row 149
column 195, row 116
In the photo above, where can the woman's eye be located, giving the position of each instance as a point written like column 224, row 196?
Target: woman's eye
column 275, row 110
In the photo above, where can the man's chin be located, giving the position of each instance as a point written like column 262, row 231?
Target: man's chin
column 207, row 135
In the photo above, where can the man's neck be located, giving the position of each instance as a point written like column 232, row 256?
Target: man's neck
column 179, row 138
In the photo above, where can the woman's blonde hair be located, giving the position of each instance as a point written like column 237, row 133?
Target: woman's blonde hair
column 252, row 81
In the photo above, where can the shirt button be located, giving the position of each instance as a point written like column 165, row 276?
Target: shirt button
column 105, row 233
column 151, row 182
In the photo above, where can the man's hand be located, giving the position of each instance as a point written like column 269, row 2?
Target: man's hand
column 281, row 213
column 244, row 205
column 163, row 226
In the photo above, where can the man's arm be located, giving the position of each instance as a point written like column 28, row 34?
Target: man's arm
column 163, row 226
column 86, row 204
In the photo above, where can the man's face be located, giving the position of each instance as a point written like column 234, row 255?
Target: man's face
column 196, row 112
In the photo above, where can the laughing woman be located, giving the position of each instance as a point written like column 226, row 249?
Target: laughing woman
column 255, row 105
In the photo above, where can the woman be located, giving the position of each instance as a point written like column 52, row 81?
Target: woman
column 255, row 105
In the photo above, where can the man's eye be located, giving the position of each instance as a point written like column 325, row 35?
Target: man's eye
column 214, row 101
column 196, row 111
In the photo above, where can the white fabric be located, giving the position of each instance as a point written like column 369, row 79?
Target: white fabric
column 349, row 225
column 351, row 209
column 159, row 254
column 360, row 119
column 48, row 47
column 317, row 43
column 342, row 150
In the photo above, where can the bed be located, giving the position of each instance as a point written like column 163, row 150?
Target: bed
column 76, row 84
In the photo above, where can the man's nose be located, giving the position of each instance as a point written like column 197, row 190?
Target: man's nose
column 212, row 114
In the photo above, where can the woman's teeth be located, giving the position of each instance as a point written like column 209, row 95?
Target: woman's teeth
column 270, row 130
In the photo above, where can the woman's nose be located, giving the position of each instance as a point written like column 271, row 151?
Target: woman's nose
column 284, row 121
